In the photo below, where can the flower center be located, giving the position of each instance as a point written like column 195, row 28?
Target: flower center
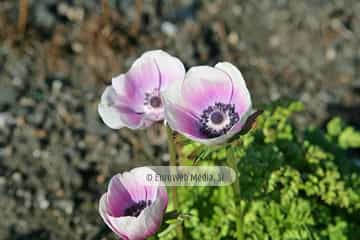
column 155, row 101
column 218, row 119
column 153, row 105
column 136, row 209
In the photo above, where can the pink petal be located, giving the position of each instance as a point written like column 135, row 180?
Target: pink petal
column 137, row 191
column 151, row 189
column 107, row 109
column 144, row 73
column 128, row 94
column 186, row 123
column 143, row 226
column 103, row 210
column 117, row 115
column 155, row 116
column 124, row 227
column 152, row 216
column 241, row 97
column 169, row 68
column 137, row 186
column 118, row 197
column 182, row 120
column 173, row 94
column 204, row 86
column 132, row 119
column 128, row 227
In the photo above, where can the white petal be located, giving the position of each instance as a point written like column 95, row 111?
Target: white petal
column 173, row 93
column 234, row 73
column 107, row 110
column 170, row 68
column 241, row 97
column 144, row 74
column 138, row 228
column 127, row 93
column 204, row 86
column 140, row 174
column 149, row 221
column 107, row 219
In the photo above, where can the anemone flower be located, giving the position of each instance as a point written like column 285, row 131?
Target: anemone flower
column 210, row 105
column 132, row 209
column 133, row 99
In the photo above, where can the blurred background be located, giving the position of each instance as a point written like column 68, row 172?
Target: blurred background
column 57, row 56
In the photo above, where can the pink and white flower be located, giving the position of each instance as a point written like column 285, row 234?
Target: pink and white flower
column 133, row 99
column 210, row 105
column 131, row 208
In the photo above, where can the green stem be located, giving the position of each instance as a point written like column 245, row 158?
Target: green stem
column 239, row 204
column 173, row 162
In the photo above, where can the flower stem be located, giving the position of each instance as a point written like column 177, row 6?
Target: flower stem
column 173, row 162
column 239, row 203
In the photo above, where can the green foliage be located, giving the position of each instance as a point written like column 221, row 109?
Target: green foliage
column 345, row 136
column 294, row 185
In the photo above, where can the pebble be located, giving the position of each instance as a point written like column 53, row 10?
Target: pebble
column 169, row 28
column 43, row 202
column 2, row 181
column 65, row 205
column 5, row 119
column 8, row 95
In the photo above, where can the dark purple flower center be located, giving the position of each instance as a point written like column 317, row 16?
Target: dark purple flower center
column 152, row 100
column 136, row 208
column 155, row 102
column 218, row 119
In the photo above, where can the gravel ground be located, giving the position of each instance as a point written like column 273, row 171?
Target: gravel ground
column 55, row 153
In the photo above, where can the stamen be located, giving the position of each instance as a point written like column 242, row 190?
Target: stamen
column 136, row 209
column 155, row 101
column 153, row 105
column 218, row 119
